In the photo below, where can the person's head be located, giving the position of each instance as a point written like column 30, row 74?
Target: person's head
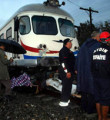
column 2, row 46
column 95, row 35
column 67, row 43
column 105, row 37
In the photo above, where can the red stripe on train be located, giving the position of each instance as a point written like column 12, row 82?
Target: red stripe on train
column 36, row 49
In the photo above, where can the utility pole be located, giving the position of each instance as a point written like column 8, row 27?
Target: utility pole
column 90, row 14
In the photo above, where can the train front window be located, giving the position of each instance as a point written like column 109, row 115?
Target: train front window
column 24, row 25
column 66, row 27
column 44, row 25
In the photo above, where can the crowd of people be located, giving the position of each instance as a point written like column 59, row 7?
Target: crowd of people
column 92, row 67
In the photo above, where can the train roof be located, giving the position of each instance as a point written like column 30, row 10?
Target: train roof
column 40, row 8
column 43, row 8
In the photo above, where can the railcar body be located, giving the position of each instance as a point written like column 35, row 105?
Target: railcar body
column 40, row 29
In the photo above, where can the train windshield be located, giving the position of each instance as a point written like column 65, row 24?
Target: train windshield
column 44, row 25
column 66, row 27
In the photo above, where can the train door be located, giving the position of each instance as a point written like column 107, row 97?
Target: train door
column 16, row 36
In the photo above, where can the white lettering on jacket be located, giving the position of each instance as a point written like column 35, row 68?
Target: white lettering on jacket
column 99, row 57
column 101, row 50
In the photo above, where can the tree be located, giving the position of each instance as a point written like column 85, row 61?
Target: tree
column 103, row 26
column 84, row 32
column 107, row 26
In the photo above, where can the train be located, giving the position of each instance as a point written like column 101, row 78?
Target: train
column 40, row 29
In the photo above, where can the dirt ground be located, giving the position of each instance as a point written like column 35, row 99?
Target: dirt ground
column 42, row 106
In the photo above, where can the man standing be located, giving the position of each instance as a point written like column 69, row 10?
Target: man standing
column 84, row 75
column 4, row 75
column 66, row 71
column 101, row 76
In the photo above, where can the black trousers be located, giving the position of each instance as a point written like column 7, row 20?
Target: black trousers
column 88, row 103
column 66, row 86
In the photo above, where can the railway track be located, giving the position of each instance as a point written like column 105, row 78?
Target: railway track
column 43, row 106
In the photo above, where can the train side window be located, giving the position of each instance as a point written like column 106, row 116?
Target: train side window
column 9, row 34
column 44, row 25
column 24, row 25
column 66, row 27
column 2, row 36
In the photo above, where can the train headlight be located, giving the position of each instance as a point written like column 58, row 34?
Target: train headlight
column 54, row 3
column 42, row 46
column 51, row 1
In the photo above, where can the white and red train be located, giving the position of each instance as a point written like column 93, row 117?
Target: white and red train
column 40, row 29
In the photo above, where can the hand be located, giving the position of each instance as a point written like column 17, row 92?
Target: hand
column 68, row 75
column 76, row 72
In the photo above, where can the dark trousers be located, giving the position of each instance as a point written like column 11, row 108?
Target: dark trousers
column 66, row 86
column 88, row 103
column 7, row 84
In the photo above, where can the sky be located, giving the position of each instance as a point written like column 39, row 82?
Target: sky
column 9, row 7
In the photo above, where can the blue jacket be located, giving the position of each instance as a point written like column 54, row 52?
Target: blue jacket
column 83, row 66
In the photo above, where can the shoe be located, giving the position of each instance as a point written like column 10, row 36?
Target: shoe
column 64, row 104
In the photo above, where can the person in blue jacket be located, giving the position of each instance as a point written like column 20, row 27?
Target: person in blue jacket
column 84, row 76
column 101, row 75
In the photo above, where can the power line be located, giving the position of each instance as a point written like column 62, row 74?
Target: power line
column 73, row 3
column 76, row 5
column 88, row 2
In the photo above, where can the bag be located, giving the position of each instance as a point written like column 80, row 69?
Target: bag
column 22, row 80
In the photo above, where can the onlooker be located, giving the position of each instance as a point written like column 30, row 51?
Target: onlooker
column 4, row 75
column 84, row 76
column 101, row 76
column 66, row 70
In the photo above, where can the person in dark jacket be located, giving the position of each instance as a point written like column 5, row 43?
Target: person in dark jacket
column 101, row 75
column 4, row 75
column 66, row 71
column 84, row 76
